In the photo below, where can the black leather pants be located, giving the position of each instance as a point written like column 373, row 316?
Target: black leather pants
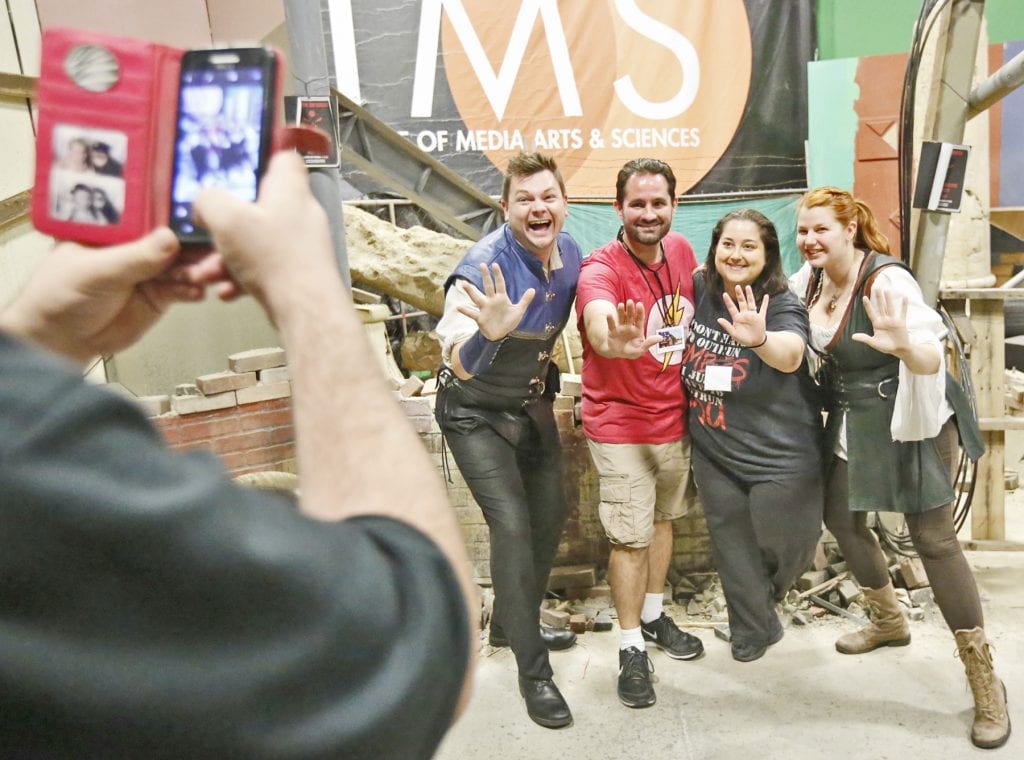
column 519, row 486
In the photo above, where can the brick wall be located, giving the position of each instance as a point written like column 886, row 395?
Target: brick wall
column 248, row 438
column 258, row 436
column 583, row 541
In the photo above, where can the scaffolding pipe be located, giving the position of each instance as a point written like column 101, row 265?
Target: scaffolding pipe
column 1009, row 77
column 308, row 64
column 957, row 59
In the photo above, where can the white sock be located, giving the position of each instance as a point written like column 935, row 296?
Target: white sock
column 653, row 605
column 632, row 637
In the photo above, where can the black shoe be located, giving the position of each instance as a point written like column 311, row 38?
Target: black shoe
column 635, row 688
column 677, row 644
column 557, row 639
column 554, row 638
column 750, row 652
column 544, row 703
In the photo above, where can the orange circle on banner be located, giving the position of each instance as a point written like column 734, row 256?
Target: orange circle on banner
column 595, row 83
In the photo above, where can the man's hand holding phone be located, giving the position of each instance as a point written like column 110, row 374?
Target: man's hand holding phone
column 226, row 116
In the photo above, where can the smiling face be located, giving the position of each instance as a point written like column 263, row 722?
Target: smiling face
column 646, row 211
column 77, row 156
column 739, row 256
column 821, row 237
column 535, row 211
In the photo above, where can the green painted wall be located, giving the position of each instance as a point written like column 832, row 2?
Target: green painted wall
column 594, row 224
column 853, row 28
column 832, row 122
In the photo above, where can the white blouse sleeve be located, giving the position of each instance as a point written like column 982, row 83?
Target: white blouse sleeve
column 798, row 281
column 921, row 406
column 454, row 327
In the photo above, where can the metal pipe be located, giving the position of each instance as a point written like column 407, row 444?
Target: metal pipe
column 957, row 60
column 1009, row 77
column 1014, row 281
column 308, row 65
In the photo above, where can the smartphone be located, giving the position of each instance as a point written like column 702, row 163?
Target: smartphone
column 222, row 139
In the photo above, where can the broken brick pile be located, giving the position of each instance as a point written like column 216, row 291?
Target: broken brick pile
column 579, row 598
column 829, row 588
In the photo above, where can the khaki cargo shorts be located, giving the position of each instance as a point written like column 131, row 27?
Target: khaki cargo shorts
column 641, row 483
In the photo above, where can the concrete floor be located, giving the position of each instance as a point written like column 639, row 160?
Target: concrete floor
column 802, row 700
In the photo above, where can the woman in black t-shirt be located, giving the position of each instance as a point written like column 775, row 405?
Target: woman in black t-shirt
column 755, row 426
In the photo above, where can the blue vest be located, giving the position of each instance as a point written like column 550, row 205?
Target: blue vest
column 520, row 366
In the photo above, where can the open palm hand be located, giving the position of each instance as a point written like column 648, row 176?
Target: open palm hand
column 626, row 338
column 888, row 322
column 747, row 325
column 492, row 309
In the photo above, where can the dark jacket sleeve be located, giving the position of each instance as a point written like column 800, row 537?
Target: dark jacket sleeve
column 150, row 608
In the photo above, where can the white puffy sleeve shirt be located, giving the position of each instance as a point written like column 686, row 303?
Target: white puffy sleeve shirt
column 921, row 406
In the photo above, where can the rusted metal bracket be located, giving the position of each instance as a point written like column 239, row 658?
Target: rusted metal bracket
column 14, row 209
column 17, row 86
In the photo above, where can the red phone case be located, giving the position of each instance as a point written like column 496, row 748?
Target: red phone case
column 104, row 146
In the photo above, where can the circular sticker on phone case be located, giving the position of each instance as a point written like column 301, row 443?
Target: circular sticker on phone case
column 92, row 67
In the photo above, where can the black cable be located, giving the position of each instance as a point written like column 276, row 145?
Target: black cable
column 905, row 154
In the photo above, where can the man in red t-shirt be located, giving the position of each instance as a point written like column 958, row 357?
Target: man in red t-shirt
column 634, row 304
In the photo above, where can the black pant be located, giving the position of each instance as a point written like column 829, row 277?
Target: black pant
column 763, row 536
column 519, row 487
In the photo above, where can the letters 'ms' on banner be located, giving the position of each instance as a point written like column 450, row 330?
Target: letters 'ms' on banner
column 713, row 87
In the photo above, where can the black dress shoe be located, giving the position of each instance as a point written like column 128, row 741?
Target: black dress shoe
column 544, row 703
column 749, row 652
column 554, row 638
column 557, row 638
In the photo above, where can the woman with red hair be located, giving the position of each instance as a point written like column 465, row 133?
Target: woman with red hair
column 894, row 415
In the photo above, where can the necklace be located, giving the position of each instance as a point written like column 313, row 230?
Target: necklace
column 656, row 271
column 834, row 299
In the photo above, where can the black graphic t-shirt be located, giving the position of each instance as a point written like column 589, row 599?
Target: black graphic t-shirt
column 768, row 424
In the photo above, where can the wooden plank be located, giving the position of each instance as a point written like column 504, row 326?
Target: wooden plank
column 982, row 294
column 1001, row 423
column 988, row 359
column 17, row 86
column 15, row 208
column 1009, row 219
column 365, row 297
column 992, row 546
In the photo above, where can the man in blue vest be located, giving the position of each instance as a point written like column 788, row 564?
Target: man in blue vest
column 505, row 305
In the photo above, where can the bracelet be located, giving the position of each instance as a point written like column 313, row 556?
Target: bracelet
column 477, row 353
column 761, row 343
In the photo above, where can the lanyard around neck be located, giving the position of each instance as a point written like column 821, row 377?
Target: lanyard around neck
column 644, row 268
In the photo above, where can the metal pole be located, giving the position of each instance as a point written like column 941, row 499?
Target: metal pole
column 308, row 64
column 1009, row 77
column 958, row 64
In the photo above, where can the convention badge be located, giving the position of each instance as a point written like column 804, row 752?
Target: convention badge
column 672, row 339
column 717, row 378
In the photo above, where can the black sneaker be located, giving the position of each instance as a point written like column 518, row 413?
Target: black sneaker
column 677, row 644
column 635, row 668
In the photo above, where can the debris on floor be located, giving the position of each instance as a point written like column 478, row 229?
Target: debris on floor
column 580, row 599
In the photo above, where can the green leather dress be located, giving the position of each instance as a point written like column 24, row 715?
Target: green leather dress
column 886, row 475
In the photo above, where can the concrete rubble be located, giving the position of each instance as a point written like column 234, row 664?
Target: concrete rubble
column 581, row 600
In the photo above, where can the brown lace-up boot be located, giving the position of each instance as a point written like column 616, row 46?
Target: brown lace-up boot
column 991, row 726
column 888, row 626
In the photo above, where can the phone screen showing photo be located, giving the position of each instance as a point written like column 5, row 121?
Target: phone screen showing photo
column 221, row 132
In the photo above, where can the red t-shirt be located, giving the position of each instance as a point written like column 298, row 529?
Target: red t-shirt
column 638, row 400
